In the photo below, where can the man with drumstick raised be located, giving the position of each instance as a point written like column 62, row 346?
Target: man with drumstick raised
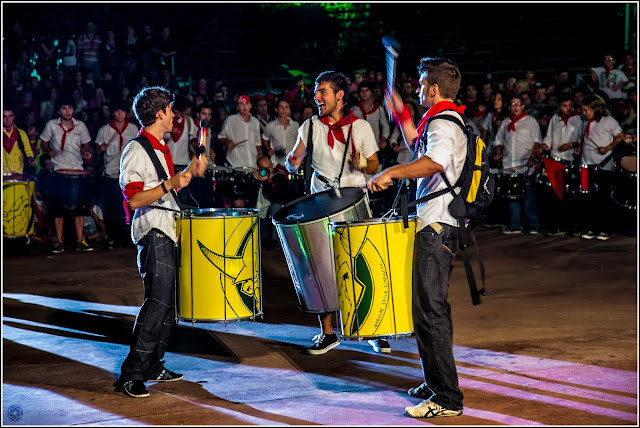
column 332, row 130
column 66, row 139
column 441, row 149
column 153, row 229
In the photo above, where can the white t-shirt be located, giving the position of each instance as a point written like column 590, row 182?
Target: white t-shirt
column 246, row 135
column 327, row 161
column 108, row 135
column 446, row 146
column 558, row 134
column 601, row 134
column 378, row 121
column 71, row 156
column 517, row 145
column 136, row 166
column 281, row 138
column 180, row 149
column 606, row 83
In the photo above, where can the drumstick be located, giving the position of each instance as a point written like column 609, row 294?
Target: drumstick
column 392, row 47
column 594, row 143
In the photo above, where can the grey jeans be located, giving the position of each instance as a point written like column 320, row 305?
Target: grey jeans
column 432, row 266
column 155, row 321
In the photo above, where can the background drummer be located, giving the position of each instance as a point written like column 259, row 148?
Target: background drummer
column 240, row 135
column 518, row 144
column 66, row 139
column 14, row 155
column 331, row 128
column 562, row 140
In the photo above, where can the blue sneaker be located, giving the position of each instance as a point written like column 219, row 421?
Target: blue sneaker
column 511, row 230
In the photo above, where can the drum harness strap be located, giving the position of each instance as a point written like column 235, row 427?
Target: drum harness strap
column 336, row 182
column 27, row 169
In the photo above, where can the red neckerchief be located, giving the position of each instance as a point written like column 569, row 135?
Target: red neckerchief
column 588, row 128
column 434, row 110
column 178, row 127
column 8, row 141
column 64, row 135
column 511, row 127
column 162, row 147
column 113, row 125
column 606, row 72
column 365, row 113
column 565, row 118
column 34, row 147
column 336, row 128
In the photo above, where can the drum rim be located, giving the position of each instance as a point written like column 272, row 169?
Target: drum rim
column 316, row 219
column 234, row 212
column 557, row 159
column 379, row 220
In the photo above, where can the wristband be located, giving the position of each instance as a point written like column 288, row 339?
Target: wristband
column 164, row 188
column 403, row 116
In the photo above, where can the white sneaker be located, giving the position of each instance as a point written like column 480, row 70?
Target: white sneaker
column 429, row 409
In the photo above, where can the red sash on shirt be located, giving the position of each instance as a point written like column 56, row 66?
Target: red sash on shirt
column 365, row 113
column 511, row 127
column 64, row 135
column 178, row 127
column 336, row 128
column 565, row 118
column 435, row 109
column 8, row 141
column 113, row 125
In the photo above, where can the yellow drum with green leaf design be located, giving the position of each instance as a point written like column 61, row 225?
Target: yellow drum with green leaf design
column 374, row 269
column 18, row 203
column 219, row 265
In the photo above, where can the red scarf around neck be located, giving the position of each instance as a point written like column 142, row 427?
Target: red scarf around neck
column 64, row 135
column 115, row 128
column 336, row 128
column 565, row 118
column 588, row 128
column 511, row 127
column 365, row 113
column 8, row 141
column 606, row 72
column 155, row 143
column 439, row 107
column 178, row 127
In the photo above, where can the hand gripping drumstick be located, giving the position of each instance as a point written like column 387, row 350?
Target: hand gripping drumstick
column 204, row 129
column 393, row 48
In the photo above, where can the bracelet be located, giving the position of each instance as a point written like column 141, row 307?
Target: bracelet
column 164, row 188
column 404, row 116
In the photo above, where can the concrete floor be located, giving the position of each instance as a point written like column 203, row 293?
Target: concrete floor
column 555, row 343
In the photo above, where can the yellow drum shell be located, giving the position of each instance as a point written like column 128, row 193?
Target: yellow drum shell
column 18, row 202
column 219, row 271
column 374, row 272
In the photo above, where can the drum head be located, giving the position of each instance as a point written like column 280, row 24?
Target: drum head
column 630, row 163
column 317, row 206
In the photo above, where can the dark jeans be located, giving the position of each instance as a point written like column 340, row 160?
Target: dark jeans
column 598, row 209
column 432, row 266
column 530, row 208
column 156, row 320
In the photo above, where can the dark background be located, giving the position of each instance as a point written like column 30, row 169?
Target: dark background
column 252, row 45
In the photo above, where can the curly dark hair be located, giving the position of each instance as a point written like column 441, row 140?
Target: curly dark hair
column 149, row 102
column 337, row 81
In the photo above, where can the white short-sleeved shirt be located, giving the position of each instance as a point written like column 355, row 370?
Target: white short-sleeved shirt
column 108, row 135
column 71, row 156
column 180, row 149
column 560, row 133
column 605, row 83
column 136, row 166
column 601, row 134
column 378, row 121
column 517, row 145
column 327, row 161
column 446, row 146
column 237, row 130
column 281, row 138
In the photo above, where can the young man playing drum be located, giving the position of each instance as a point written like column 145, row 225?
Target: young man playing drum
column 441, row 149
column 66, row 139
column 153, row 230
column 332, row 129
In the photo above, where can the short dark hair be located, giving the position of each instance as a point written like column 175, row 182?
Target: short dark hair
column 203, row 105
column 365, row 84
column 442, row 72
column 149, row 102
column 565, row 96
column 336, row 80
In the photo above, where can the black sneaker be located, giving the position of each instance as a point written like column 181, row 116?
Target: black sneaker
column 57, row 248
column 166, row 376
column 323, row 343
column 83, row 246
column 380, row 345
column 421, row 391
column 132, row 388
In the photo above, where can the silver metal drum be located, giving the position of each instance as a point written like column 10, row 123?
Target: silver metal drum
column 303, row 229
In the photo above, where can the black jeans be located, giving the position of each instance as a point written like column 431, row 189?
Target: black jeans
column 432, row 266
column 156, row 320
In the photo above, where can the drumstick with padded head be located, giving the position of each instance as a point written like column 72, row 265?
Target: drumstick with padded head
column 392, row 50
